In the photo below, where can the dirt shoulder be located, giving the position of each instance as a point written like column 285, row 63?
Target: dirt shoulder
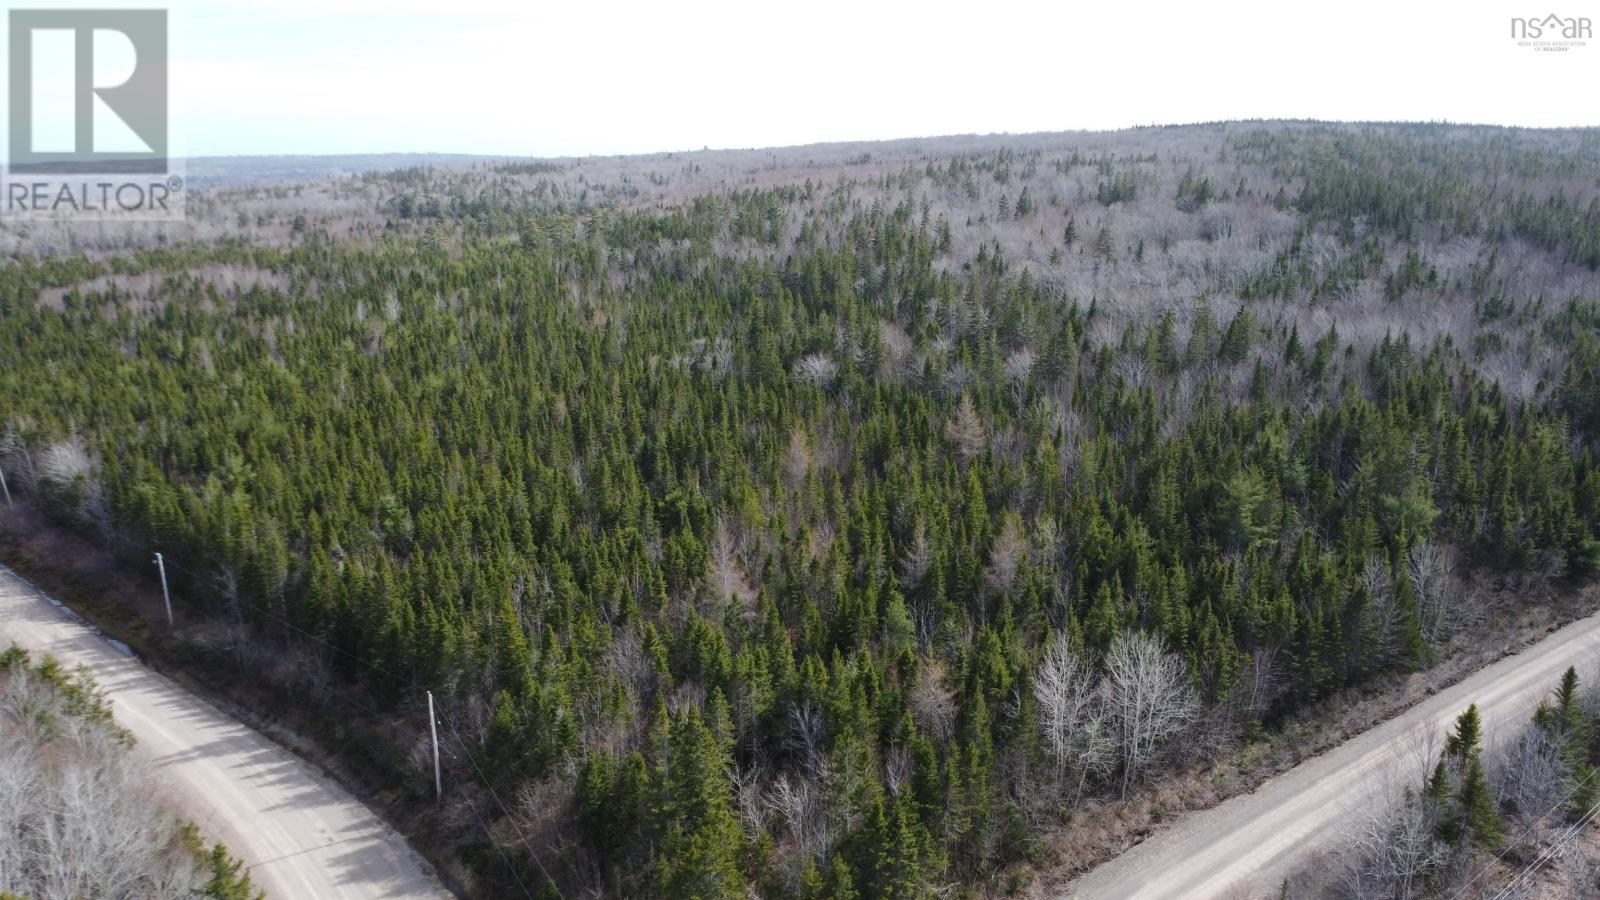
column 337, row 733
column 1102, row 830
column 300, row 834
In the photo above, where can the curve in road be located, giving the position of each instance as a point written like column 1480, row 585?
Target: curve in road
column 303, row 836
column 1246, row 846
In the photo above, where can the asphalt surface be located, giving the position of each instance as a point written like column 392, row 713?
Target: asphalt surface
column 1246, row 846
column 303, row 836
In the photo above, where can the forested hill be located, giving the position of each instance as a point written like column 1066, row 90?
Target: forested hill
column 835, row 522
column 226, row 171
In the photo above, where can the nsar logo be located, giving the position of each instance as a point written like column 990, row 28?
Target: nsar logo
column 1552, row 33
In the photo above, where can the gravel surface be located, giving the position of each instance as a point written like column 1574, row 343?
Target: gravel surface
column 303, row 836
column 1246, row 846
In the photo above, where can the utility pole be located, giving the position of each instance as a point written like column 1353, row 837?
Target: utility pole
column 433, row 726
column 4, row 489
column 165, row 597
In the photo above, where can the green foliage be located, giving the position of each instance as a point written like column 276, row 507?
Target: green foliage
column 1122, row 188
column 1194, row 191
column 228, row 877
column 81, row 697
column 788, row 463
column 1467, row 809
column 1564, row 718
column 74, row 695
column 701, row 842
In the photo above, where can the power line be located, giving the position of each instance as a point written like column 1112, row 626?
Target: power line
column 1525, row 832
column 494, row 843
column 1550, row 852
column 510, row 818
column 406, row 683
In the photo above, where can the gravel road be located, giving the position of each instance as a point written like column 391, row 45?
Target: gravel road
column 1246, row 846
column 303, row 836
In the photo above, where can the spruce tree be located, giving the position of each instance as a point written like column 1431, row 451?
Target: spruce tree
column 701, row 846
column 1468, row 811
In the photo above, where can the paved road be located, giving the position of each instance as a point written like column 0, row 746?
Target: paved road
column 1246, row 846
column 303, row 836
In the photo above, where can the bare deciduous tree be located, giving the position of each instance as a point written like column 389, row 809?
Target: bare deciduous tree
column 80, row 816
column 806, row 721
column 1263, row 683
column 1148, row 699
column 1383, row 615
column 1444, row 605
column 932, row 702
column 797, row 459
column 1019, row 366
column 798, row 801
column 917, row 559
column 727, row 576
column 1528, row 774
column 1071, row 717
column 754, row 810
column 1007, row 553
column 1393, row 847
column 966, row 431
column 817, row 369
column 68, row 469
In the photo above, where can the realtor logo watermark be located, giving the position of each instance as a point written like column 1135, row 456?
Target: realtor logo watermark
column 89, row 119
column 1552, row 33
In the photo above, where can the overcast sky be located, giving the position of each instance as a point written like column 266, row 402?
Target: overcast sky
column 580, row 76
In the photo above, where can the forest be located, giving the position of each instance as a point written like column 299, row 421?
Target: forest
column 837, row 526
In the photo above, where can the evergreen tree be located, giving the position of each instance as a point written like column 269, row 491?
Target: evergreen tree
column 701, row 845
column 1459, row 785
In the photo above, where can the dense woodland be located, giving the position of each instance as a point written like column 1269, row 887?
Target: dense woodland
column 837, row 528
